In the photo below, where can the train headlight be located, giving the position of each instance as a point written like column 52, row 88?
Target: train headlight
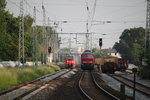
column 90, row 62
column 84, row 61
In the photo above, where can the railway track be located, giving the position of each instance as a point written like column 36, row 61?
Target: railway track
column 91, row 90
column 24, row 91
column 139, row 87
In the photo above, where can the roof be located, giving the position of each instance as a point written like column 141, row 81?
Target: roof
column 109, row 50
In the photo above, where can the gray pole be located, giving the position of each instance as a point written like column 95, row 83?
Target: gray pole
column 34, row 38
column 134, row 70
column 147, row 33
column 21, row 34
column 87, row 28
column 44, row 38
column 91, row 40
column 69, row 41
column 87, row 36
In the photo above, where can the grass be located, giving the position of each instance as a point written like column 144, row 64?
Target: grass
column 61, row 65
column 55, row 67
column 13, row 76
column 7, row 78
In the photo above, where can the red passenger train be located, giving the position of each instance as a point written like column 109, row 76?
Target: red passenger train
column 87, row 60
column 70, row 61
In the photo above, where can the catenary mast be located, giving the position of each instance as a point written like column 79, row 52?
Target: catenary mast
column 21, row 35
column 147, row 33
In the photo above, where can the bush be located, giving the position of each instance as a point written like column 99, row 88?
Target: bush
column 144, row 73
column 61, row 65
column 44, row 70
column 55, row 67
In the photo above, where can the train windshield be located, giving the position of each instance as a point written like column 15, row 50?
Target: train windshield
column 70, row 58
column 87, row 56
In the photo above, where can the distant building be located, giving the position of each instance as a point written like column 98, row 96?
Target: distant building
column 78, row 50
column 111, row 52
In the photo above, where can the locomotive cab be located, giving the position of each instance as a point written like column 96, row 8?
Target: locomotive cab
column 70, row 61
column 87, row 61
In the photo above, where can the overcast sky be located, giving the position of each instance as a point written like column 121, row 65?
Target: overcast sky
column 122, row 14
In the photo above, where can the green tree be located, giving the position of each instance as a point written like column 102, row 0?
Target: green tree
column 2, row 16
column 131, row 43
column 98, row 53
column 8, row 36
column 28, row 20
column 2, row 4
column 137, row 52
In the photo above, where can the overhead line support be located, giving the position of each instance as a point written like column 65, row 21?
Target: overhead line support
column 147, row 32
column 21, row 57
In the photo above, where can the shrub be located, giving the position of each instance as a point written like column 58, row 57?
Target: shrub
column 144, row 73
column 55, row 67
column 61, row 65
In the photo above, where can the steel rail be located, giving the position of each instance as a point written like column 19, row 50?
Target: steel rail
column 26, row 83
column 82, row 91
column 38, row 83
column 100, row 88
column 140, row 90
column 132, row 81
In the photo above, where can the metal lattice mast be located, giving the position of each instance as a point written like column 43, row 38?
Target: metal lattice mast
column 91, row 41
column 147, row 33
column 49, row 34
column 44, row 38
column 87, row 28
column 21, row 34
column 87, row 37
column 34, row 38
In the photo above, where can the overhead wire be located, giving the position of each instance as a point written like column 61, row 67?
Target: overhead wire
column 31, row 6
column 78, row 4
column 14, row 3
column 93, row 14
column 68, row 4
column 26, row 8
column 125, row 7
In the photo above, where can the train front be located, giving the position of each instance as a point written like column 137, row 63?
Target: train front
column 70, row 61
column 87, row 61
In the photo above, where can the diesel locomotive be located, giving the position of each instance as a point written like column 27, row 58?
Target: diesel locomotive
column 87, row 60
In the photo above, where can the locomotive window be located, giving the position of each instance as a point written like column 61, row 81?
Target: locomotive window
column 90, row 56
column 70, row 58
column 83, row 56
column 87, row 56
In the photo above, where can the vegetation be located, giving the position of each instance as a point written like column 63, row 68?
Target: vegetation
column 144, row 72
column 13, row 76
column 131, row 45
column 9, row 35
column 55, row 67
column 98, row 54
column 61, row 65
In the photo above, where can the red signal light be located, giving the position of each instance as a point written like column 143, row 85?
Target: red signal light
column 100, row 42
column 49, row 49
